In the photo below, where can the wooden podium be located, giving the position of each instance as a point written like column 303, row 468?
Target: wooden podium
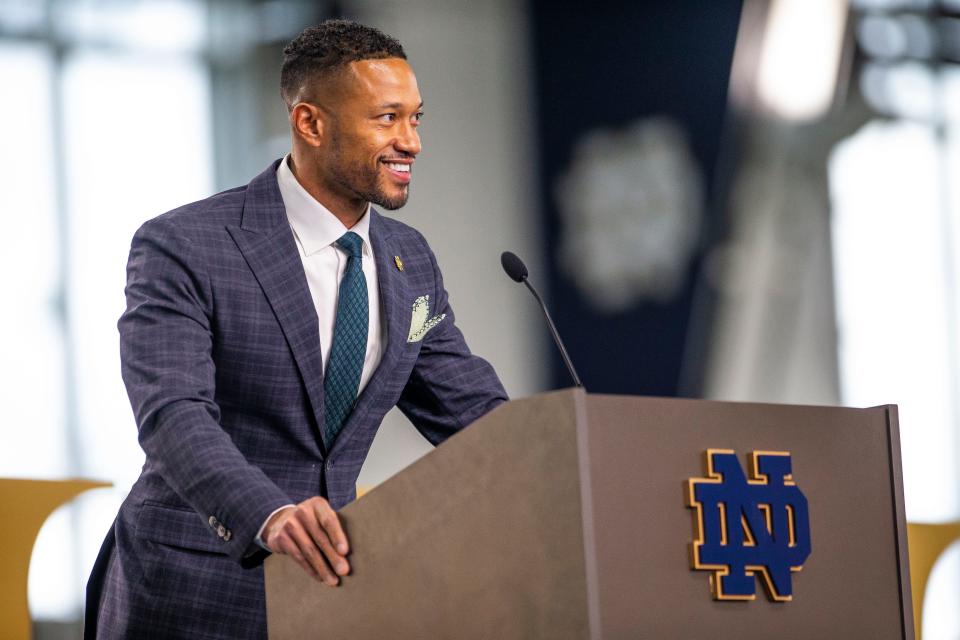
column 566, row 515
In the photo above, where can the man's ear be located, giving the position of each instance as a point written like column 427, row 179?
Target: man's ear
column 307, row 122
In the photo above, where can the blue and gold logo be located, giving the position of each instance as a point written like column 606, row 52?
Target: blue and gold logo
column 748, row 528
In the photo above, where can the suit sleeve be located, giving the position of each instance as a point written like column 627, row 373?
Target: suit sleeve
column 167, row 364
column 449, row 387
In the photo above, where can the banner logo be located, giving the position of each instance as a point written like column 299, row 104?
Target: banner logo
column 749, row 528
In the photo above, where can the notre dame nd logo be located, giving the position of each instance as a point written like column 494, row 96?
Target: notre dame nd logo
column 749, row 527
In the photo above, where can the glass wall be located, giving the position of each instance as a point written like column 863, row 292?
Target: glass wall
column 106, row 123
column 896, row 247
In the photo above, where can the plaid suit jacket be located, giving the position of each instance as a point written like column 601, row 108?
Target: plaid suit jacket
column 220, row 354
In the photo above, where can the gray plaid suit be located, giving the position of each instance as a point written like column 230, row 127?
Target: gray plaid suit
column 220, row 354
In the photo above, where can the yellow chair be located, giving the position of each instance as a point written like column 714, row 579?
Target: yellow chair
column 926, row 543
column 24, row 506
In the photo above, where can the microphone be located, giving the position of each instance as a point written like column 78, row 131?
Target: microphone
column 517, row 271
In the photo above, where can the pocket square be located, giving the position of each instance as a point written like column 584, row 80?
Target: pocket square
column 419, row 325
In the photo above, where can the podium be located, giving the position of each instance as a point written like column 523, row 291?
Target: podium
column 572, row 515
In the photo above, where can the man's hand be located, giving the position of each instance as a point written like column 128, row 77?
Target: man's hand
column 311, row 534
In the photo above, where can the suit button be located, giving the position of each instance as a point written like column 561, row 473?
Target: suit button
column 221, row 530
column 329, row 464
column 228, row 535
column 212, row 522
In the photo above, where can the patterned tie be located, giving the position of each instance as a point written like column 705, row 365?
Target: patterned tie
column 349, row 346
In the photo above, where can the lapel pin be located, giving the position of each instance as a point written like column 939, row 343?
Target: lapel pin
column 398, row 262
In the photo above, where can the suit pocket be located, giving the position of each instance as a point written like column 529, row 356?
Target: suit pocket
column 175, row 527
column 411, row 350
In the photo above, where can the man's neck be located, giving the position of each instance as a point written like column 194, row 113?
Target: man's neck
column 347, row 212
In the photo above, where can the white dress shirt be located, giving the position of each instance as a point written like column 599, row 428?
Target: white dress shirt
column 316, row 231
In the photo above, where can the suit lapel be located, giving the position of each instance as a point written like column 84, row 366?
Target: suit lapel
column 393, row 287
column 267, row 244
column 395, row 306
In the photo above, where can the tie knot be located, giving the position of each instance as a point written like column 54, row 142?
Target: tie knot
column 351, row 243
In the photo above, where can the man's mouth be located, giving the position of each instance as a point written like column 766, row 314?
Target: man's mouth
column 400, row 171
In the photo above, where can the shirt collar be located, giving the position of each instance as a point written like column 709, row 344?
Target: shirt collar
column 315, row 227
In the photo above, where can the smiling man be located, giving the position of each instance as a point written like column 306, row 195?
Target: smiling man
column 268, row 330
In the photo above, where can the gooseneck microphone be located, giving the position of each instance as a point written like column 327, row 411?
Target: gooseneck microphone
column 517, row 271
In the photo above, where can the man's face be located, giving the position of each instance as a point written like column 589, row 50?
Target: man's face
column 371, row 141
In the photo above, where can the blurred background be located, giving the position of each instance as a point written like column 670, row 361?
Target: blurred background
column 737, row 199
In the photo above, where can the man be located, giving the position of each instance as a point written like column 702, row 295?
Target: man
column 268, row 330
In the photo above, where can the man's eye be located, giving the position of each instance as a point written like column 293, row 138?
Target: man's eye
column 418, row 116
column 387, row 117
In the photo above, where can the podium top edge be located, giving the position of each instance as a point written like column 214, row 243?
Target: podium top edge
column 581, row 392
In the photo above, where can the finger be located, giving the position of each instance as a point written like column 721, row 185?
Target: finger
column 315, row 557
column 322, row 540
column 330, row 522
column 309, row 551
column 288, row 547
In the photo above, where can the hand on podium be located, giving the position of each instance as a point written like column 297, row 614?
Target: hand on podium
column 311, row 534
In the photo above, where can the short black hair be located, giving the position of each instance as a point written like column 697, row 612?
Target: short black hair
column 328, row 47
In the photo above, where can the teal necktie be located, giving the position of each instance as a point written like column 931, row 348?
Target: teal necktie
column 349, row 346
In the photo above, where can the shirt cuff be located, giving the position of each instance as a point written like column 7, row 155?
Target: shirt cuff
column 259, row 538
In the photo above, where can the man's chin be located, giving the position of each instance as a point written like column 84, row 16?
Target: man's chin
column 391, row 203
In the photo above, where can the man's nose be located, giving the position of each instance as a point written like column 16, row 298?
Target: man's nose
column 408, row 140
